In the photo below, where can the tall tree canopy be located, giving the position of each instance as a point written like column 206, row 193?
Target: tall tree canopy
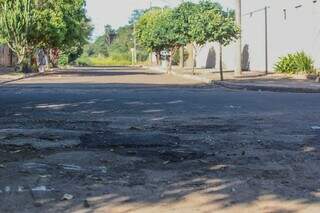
column 150, row 32
column 17, row 21
column 59, row 25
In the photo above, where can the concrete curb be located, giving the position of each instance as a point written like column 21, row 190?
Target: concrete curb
column 257, row 87
column 155, row 69
column 185, row 76
column 192, row 77
column 20, row 78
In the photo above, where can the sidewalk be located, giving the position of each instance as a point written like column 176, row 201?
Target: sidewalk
column 8, row 75
column 252, row 80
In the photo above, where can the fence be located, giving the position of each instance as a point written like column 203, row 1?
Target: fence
column 7, row 58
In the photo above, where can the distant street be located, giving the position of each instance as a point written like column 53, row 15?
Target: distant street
column 129, row 140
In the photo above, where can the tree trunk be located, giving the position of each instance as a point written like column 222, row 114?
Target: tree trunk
column 220, row 63
column 171, row 55
column 54, row 57
column 150, row 59
column 20, row 59
column 170, row 62
column 158, row 54
column 194, row 55
column 181, row 57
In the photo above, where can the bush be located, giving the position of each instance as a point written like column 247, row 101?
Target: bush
column 295, row 63
column 63, row 60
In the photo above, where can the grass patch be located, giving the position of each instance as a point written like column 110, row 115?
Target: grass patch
column 101, row 61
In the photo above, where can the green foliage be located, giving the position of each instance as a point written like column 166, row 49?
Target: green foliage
column 114, row 45
column 164, row 29
column 149, row 31
column 169, row 29
column 100, row 47
column 109, row 34
column 17, row 20
column 123, row 42
column 2, row 41
column 136, row 14
column 26, row 25
column 298, row 62
column 183, row 16
column 68, row 29
column 102, row 61
column 63, row 59
column 210, row 23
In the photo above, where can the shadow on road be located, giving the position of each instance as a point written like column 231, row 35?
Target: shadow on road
column 103, row 71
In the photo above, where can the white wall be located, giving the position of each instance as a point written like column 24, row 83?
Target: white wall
column 298, row 31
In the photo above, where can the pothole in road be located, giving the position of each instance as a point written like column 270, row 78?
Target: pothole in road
column 40, row 138
column 196, row 128
column 132, row 140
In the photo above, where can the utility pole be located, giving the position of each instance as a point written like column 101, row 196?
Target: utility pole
column 266, row 38
column 238, row 67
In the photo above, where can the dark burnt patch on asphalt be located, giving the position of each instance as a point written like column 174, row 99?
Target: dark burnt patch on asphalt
column 127, row 140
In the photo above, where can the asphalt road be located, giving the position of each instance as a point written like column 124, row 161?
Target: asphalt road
column 258, row 144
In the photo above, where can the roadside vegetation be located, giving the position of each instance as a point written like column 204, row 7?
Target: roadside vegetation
column 102, row 61
column 114, row 47
column 61, row 29
column 190, row 23
column 296, row 63
column 58, row 27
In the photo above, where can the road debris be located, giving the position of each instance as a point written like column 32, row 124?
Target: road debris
column 71, row 167
column 86, row 204
column 41, row 189
column 66, row 197
column 315, row 127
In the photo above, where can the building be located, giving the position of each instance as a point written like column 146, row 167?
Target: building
column 270, row 29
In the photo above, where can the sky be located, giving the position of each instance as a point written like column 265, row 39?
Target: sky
column 117, row 12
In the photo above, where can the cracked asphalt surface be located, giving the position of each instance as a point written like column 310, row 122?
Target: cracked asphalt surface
column 128, row 140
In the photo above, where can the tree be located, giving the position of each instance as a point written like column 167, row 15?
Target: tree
column 194, row 27
column 170, row 29
column 122, row 43
column 150, row 33
column 202, row 25
column 2, row 41
column 53, row 25
column 136, row 14
column 213, row 24
column 177, row 26
column 77, row 32
column 17, row 26
column 163, row 29
column 227, row 32
column 109, row 34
